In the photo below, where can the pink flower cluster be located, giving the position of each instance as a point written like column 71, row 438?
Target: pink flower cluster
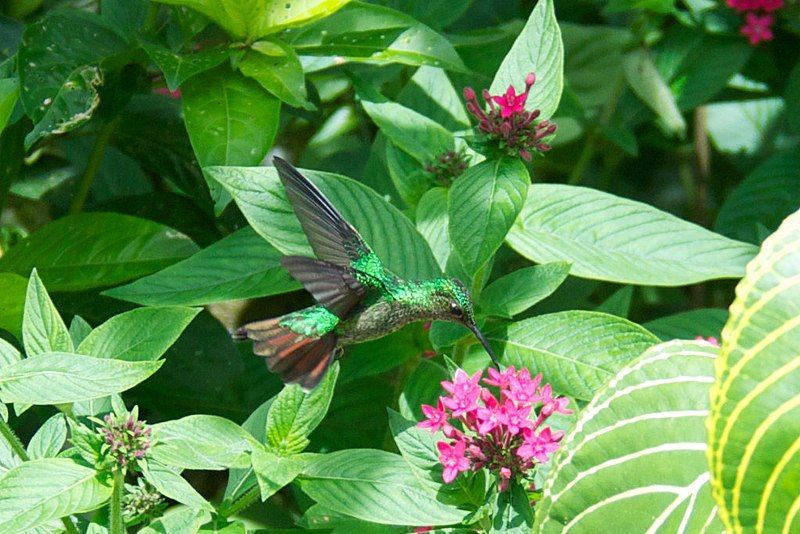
column 757, row 27
column 507, row 125
column 503, row 433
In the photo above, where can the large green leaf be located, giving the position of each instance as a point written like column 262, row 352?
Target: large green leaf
column 171, row 484
column 375, row 486
column 763, row 199
column 49, row 439
column 620, row 240
column 374, row 34
column 240, row 266
column 79, row 252
column 59, row 77
column 576, row 351
column 259, row 194
column 516, row 292
column 635, row 460
column 61, row 377
column 178, row 68
column 482, row 205
column 231, row 120
column 705, row 322
column 37, row 492
column 202, row 442
column 294, row 413
column 432, row 222
column 273, row 472
column 742, row 126
column 12, row 301
column 277, row 68
column 537, row 49
column 138, row 335
column 755, row 411
column 419, row 136
column 43, row 329
column 257, row 18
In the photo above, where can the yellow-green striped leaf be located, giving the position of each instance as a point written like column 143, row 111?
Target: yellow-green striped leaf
column 635, row 460
column 755, row 418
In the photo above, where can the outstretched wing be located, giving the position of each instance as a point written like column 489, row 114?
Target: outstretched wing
column 332, row 238
column 333, row 286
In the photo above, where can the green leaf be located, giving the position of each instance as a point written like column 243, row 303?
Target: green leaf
column 257, row 18
column 431, row 93
column 273, row 472
column 537, row 49
column 259, row 194
column 59, row 77
column 202, row 442
column 178, row 68
column 277, row 68
column 432, row 222
column 374, row 486
column 8, row 353
column 12, row 302
column 764, row 198
column 420, row 137
column 43, row 329
column 742, row 126
column 231, row 120
column 576, row 351
column 516, row 292
column 49, row 439
column 138, row 335
column 79, row 329
column 482, row 205
column 178, row 519
column 705, row 322
column 645, row 81
column 61, row 377
column 619, row 303
column 635, row 460
column 173, row 485
column 514, row 511
column 9, row 92
column 78, row 252
column 294, row 413
column 374, row 34
column 424, row 386
column 240, row 480
column 37, row 492
column 620, row 240
column 755, row 402
column 240, row 266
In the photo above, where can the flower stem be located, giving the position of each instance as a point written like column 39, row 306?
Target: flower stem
column 16, row 445
column 92, row 165
column 229, row 508
column 115, row 523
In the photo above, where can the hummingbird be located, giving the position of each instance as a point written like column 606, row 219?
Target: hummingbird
column 357, row 297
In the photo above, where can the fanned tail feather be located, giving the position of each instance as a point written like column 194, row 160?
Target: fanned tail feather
column 298, row 359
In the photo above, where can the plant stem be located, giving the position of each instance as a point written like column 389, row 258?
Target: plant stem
column 115, row 523
column 92, row 165
column 593, row 135
column 228, row 508
column 16, row 445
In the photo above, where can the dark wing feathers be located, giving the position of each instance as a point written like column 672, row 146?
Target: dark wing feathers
column 333, row 286
column 332, row 238
column 298, row 359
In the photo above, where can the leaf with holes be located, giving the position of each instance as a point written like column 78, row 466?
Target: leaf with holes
column 755, row 408
column 577, row 351
column 537, row 49
column 635, row 460
column 611, row 238
column 259, row 194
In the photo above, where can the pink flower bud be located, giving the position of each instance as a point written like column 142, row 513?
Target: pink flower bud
column 530, row 79
column 469, row 93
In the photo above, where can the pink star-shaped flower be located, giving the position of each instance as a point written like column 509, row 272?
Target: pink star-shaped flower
column 539, row 447
column 453, row 459
column 552, row 405
column 464, row 390
column 510, row 103
column 522, row 388
column 436, row 418
column 515, row 418
column 757, row 28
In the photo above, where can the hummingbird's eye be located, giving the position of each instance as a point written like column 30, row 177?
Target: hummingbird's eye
column 455, row 310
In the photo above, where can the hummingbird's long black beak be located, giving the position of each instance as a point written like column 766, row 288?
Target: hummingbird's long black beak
column 485, row 343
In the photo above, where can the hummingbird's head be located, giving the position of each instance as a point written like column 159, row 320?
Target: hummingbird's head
column 460, row 309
